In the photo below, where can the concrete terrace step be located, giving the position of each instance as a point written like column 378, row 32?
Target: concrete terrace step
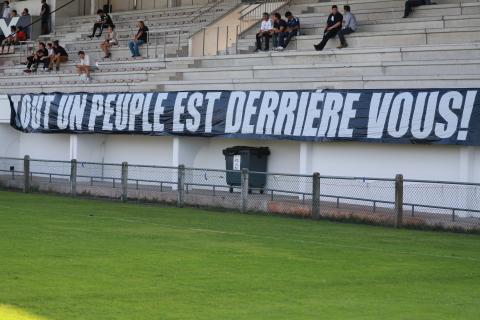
column 404, row 53
column 83, row 87
column 353, row 82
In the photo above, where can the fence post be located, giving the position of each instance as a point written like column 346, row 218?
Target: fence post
column 181, row 186
column 124, row 181
column 316, row 196
column 244, row 178
column 73, row 177
column 398, row 200
column 26, row 174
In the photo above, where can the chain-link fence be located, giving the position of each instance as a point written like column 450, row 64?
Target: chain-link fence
column 11, row 172
column 361, row 199
column 442, row 203
column 395, row 201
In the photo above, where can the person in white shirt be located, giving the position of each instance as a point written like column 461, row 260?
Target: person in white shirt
column 110, row 40
column 264, row 32
column 7, row 11
column 83, row 67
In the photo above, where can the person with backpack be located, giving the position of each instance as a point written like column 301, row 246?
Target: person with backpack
column 104, row 21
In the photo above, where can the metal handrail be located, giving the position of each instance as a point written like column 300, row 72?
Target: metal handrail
column 257, row 12
column 165, row 34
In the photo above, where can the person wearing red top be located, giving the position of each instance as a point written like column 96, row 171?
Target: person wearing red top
column 21, row 34
column 11, row 39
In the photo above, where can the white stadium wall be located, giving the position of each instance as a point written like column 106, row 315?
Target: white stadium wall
column 435, row 162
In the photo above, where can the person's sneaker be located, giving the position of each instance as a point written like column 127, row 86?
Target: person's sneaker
column 90, row 36
column 317, row 47
column 341, row 46
column 57, row 69
column 280, row 48
column 27, row 70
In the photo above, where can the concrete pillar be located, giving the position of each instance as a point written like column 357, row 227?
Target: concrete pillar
column 467, row 164
column 181, row 186
column 124, row 181
column 26, row 174
column 93, row 7
column 316, row 196
column 245, row 188
column 74, row 146
column 73, row 177
column 398, row 200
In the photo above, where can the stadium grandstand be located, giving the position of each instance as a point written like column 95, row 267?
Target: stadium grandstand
column 342, row 135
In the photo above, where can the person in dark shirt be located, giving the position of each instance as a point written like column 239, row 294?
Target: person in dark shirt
column 334, row 24
column 104, row 21
column 140, row 39
column 279, row 26
column 293, row 25
column 45, row 18
column 59, row 56
column 41, row 55
column 410, row 4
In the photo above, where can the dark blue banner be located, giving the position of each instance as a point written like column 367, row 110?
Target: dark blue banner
column 435, row 116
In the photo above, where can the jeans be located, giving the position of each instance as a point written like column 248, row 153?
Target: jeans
column 326, row 36
column 409, row 4
column 285, row 37
column 342, row 33
column 134, row 46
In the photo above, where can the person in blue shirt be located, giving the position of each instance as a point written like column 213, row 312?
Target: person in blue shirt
column 349, row 26
column 293, row 26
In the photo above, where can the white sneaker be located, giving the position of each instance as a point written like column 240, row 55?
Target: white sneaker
column 280, row 48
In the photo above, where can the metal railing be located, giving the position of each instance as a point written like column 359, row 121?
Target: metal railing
column 255, row 14
column 219, row 40
column 385, row 201
column 171, row 38
column 149, row 5
column 212, row 10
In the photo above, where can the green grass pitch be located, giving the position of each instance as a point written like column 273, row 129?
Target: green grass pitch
column 62, row 258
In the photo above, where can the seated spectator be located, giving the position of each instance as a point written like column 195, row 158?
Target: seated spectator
column 7, row 11
column 11, row 39
column 334, row 24
column 14, row 14
column 59, row 56
column 139, row 40
column 83, row 67
column 21, row 34
column 25, row 13
column 40, row 56
column 50, row 50
column 349, row 26
column 104, row 20
column 110, row 40
column 279, row 26
column 293, row 26
column 264, row 33
column 410, row 4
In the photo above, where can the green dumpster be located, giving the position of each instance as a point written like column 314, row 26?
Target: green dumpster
column 251, row 158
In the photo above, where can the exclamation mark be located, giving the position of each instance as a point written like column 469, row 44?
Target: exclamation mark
column 466, row 115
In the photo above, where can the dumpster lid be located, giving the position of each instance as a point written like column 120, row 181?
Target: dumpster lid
column 254, row 150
